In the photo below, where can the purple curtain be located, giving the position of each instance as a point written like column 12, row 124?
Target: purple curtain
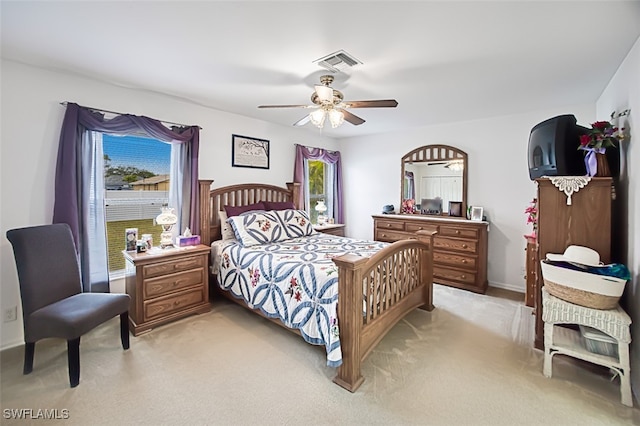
column 411, row 186
column 79, row 120
column 331, row 157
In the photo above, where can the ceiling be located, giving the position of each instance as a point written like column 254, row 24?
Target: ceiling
column 442, row 61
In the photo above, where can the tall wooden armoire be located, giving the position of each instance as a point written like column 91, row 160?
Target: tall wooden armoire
column 583, row 218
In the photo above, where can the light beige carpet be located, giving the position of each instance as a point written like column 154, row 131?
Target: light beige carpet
column 469, row 362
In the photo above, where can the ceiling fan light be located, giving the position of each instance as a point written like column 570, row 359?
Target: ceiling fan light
column 317, row 117
column 336, row 118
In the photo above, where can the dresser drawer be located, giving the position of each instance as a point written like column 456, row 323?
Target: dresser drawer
column 450, row 231
column 413, row 227
column 172, row 266
column 387, row 224
column 461, row 261
column 453, row 275
column 391, row 236
column 162, row 307
column 467, row 246
column 170, row 283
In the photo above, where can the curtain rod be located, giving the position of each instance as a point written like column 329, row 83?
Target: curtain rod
column 120, row 113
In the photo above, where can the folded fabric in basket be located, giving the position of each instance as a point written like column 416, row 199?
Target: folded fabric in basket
column 617, row 270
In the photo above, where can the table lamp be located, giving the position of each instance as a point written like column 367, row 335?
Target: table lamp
column 321, row 208
column 166, row 219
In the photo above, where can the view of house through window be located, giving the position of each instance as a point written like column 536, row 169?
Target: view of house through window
column 136, row 171
column 318, row 182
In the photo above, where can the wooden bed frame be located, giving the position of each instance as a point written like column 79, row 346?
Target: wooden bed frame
column 394, row 281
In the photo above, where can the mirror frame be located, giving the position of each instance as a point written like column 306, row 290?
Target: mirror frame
column 437, row 153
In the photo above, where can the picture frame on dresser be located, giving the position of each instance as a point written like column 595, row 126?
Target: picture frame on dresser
column 455, row 208
column 476, row 213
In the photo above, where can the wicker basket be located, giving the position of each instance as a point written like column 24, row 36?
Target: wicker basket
column 581, row 297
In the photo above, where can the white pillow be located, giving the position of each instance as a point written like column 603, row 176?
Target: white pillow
column 225, row 227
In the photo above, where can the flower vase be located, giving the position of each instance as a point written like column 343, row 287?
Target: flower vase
column 602, row 167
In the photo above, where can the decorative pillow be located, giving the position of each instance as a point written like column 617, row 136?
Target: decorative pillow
column 258, row 228
column 296, row 223
column 225, row 228
column 279, row 205
column 237, row 211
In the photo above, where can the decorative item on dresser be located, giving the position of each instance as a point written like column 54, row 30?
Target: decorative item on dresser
column 459, row 247
column 572, row 210
column 165, row 285
column 331, row 228
column 374, row 290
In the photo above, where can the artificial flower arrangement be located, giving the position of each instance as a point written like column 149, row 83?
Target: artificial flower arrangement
column 602, row 135
column 532, row 214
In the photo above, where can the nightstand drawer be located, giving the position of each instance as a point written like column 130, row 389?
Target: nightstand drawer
column 452, row 274
column 449, row 231
column 171, row 266
column 454, row 244
column 454, row 260
column 164, row 306
column 170, row 283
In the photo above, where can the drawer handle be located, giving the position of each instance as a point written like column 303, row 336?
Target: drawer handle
column 384, row 235
column 464, row 260
column 388, row 225
column 457, row 231
column 463, row 276
column 176, row 303
column 420, row 228
column 464, row 246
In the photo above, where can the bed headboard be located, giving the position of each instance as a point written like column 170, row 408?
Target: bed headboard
column 212, row 200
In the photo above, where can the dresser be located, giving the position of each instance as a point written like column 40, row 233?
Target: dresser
column 459, row 246
column 531, row 266
column 165, row 285
column 583, row 220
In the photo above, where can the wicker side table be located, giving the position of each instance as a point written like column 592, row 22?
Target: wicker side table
column 559, row 340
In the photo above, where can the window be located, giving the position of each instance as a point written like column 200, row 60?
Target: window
column 320, row 187
column 137, row 177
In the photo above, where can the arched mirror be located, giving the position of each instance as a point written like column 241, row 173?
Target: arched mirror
column 435, row 176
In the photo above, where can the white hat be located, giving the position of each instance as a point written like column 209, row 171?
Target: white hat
column 577, row 254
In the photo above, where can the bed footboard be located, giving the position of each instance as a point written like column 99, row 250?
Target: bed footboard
column 374, row 294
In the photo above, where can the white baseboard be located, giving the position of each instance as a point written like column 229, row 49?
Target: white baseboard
column 505, row 286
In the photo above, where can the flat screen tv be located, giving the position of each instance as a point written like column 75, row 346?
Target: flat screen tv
column 553, row 148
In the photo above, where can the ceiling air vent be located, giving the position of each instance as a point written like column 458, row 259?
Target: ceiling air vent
column 337, row 61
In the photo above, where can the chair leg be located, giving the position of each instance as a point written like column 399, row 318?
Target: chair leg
column 124, row 330
column 29, row 350
column 73, row 353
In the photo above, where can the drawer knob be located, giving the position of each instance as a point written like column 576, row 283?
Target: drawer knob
column 176, row 303
column 388, row 225
column 420, row 228
column 463, row 276
column 464, row 260
column 457, row 231
column 464, row 246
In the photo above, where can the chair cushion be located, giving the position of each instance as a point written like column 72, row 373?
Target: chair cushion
column 70, row 318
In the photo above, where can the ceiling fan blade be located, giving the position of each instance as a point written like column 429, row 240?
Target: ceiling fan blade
column 351, row 118
column 304, row 120
column 382, row 103
column 286, row 106
column 325, row 93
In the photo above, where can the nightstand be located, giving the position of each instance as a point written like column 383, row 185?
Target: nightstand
column 165, row 285
column 331, row 228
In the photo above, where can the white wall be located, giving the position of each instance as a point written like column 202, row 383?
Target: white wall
column 498, row 179
column 623, row 92
column 31, row 118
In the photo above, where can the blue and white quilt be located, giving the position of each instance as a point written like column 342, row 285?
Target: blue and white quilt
column 293, row 280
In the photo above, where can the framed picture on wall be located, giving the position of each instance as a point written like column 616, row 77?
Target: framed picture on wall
column 476, row 213
column 249, row 152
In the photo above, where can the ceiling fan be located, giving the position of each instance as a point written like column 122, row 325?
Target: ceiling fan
column 329, row 103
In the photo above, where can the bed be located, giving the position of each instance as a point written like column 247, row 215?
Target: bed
column 376, row 283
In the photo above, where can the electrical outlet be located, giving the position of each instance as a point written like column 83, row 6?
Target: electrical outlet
column 10, row 314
